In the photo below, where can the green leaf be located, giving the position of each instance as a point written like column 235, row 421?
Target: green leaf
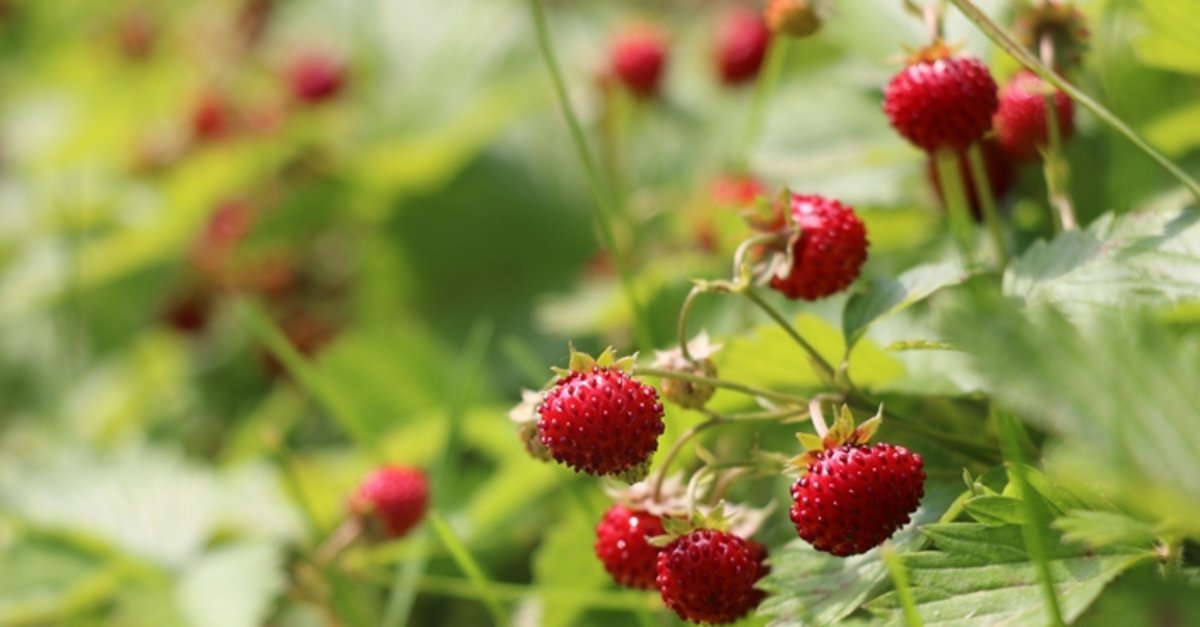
column 981, row 574
column 996, row 510
column 1120, row 392
column 42, row 578
column 1144, row 597
column 232, row 586
column 1100, row 529
column 886, row 296
column 565, row 560
column 1170, row 38
column 1152, row 257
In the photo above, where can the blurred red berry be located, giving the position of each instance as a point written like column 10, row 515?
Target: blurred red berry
column 137, row 31
column 316, row 77
column 639, row 57
column 736, row 190
column 393, row 498
column 189, row 310
column 212, row 117
column 1021, row 121
column 941, row 101
column 742, row 40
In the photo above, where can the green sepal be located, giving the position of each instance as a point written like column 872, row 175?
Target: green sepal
column 811, row 441
column 842, row 430
column 663, row 540
column 634, row 473
column 583, row 362
column 866, row 430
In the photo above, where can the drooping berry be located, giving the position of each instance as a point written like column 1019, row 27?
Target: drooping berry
column 742, row 40
column 698, row 363
column 639, row 57
column 1000, row 174
column 940, row 101
column 736, row 190
column 599, row 420
column 794, row 18
column 708, row 576
column 829, row 252
column 1058, row 23
column 622, row 547
column 393, row 498
column 315, row 77
column 1021, row 122
column 212, row 117
column 853, row 497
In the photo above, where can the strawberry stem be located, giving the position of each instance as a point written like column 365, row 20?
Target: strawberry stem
column 603, row 197
column 1027, row 59
column 1054, row 165
column 720, row 383
column 346, row 533
column 675, row 449
column 685, row 311
column 824, row 371
column 987, row 202
column 955, row 196
column 817, row 417
column 776, row 54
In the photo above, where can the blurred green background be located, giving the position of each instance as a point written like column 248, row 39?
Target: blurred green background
column 221, row 303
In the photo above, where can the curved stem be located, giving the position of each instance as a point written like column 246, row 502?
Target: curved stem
column 720, row 383
column 687, row 436
column 820, row 365
column 345, row 535
column 685, row 310
column 605, row 203
column 1026, row 58
column 987, row 202
column 767, row 81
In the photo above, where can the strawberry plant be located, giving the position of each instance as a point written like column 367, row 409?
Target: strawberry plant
column 521, row 312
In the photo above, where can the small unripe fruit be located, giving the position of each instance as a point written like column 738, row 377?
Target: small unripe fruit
column 793, row 18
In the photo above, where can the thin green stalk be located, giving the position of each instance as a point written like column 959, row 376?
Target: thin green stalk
column 465, row 375
column 983, row 191
column 596, row 599
column 470, row 568
column 767, row 81
column 748, row 390
column 684, row 312
column 1029, row 60
column 605, row 202
column 687, row 436
column 1037, row 519
column 954, row 194
column 1054, row 169
column 822, row 367
column 900, row 580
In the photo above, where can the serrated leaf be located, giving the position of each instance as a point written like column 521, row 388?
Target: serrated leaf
column 885, row 296
column 981, row 574
column 1100, row 529
column 996, row 510
column 1151, row 257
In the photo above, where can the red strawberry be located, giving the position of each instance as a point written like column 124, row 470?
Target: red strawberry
column 1000, row 174
column 736, row 190
column 393, row 497
column 1021, row 123
column 941, row 101
column 852, row 497
column 742, row 40
column 316, row 77
column 188, row 311
column 639, row 57
column 708, row 576
column 599, row 420
column 212, row 117
column 622, row 548
column 828, row 254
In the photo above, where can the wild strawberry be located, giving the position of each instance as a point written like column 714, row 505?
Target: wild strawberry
column 316, row 77
column 189, row 310
column 1000, row 175
column 391, row 499
column 736, row 190
column 794, row 18
column 828, row 252
column 599, row 420
column 639, row 56
column 137, row 32
column 742, row 40
column 1021, row 124
column 622, row 548
column 852, row 497
column 212, row 117
column 307, row 333
column 708, row 576
column 940, row 101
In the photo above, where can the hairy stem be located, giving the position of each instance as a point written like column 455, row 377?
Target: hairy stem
column 604, row 199
column 954, row 195
column 721, row 383
column 822, row 367
column 987, row 202
column 675, row 449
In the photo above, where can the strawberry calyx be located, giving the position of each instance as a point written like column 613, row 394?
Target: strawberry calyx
column 1061, row 22
column 715, row 518
column 939, row 50
column 583, row 362
column 843, row 433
